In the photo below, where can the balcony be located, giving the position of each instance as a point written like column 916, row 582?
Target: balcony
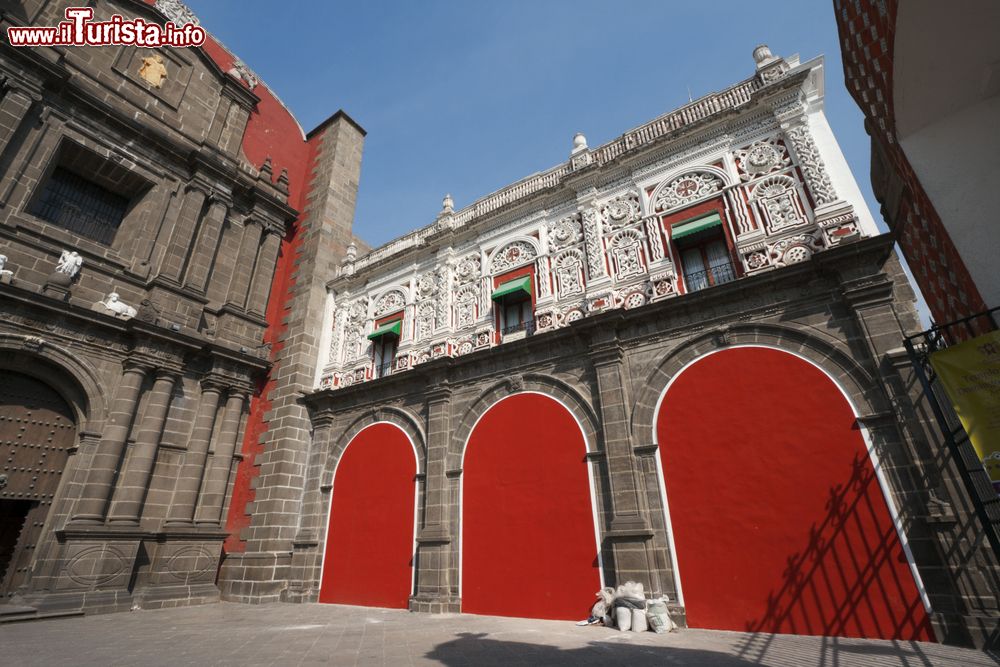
column 717, row 275
column 381, row 370
column 518, row 331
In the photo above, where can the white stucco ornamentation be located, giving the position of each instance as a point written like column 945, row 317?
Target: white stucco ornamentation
column 686, row 189
column 592, row 236
column 390, row 302
column 596, row 232
column 569, row 273
column 761, row 158
column 115, row 306
column 512, row 256
column 780, row 202
column 626, row 251
column 620, row 212
column 812, row 164
column 565, row 232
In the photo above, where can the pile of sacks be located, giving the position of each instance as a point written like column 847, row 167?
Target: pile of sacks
column 627, row 608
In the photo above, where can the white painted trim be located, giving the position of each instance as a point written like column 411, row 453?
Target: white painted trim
column 416, row 498
column 590, row 478
column 872, row 454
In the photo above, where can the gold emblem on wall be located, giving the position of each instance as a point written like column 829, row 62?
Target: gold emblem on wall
column 153, row 71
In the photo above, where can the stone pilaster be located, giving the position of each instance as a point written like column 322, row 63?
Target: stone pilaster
column 189, row 481
column 261, row 280
column 629, row 532
column 213, row 492
column 200, row 264
column 244, row 270
column 434, row 540
column 134, row 479
column 188, row 217
column 93, row 501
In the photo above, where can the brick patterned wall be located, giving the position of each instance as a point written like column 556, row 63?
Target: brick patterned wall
column 867, row 32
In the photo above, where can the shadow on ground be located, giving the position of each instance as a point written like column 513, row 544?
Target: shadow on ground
column 472, row 648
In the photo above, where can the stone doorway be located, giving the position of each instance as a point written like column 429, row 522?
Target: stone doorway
column 37, row 432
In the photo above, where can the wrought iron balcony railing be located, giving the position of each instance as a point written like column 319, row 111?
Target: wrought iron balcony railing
column 717, row 275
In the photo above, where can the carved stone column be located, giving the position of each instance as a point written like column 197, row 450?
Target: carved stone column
column 264, row 272
column 434, row 538
column 97, row 489
column 181, row 509
column 213, row 492
column 244, row 270
column 134, row 480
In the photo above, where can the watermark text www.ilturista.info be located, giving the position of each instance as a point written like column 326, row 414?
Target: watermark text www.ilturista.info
column 79, row 30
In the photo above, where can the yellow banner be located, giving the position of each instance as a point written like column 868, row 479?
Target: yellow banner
column 970, row 374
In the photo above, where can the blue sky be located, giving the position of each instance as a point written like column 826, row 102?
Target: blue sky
column 466, row 97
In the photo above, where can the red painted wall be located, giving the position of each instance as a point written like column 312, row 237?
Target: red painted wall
column 778, row 519
column 528, row 546
column 369, row 544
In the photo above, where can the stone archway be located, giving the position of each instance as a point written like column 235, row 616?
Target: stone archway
column 777, row 511
column 528, row 544
column 37, row 433
column 368, row 558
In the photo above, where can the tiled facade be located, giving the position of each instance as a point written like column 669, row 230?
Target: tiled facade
column 867, row 32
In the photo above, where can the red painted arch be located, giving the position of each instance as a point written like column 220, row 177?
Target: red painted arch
column 779, row 522
column 369, row 544
column 528, row 544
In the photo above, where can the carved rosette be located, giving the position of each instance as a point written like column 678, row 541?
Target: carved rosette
column 511, row 256
column 564, row 233
column 686, row 189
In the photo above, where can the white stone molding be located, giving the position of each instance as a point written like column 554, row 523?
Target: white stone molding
column 812, row 164
column 512, row 255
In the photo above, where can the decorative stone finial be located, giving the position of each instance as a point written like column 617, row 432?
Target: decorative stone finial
column 762, row 55
column 265, row 169
column 352, row 252
column 282, row 183
column 447, row 204
column 579, row 143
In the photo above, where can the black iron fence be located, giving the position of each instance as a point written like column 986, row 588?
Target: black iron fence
column 977, row 482
column 717, row 275
column 527, row 327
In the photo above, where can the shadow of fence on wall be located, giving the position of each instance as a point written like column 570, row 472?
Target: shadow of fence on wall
column 851, row 579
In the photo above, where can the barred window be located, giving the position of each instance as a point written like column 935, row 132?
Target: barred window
column 81, row 206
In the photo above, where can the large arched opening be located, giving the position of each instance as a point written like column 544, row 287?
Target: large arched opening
column 37, row 434
column 529, row 544
column 368, row 559
column 779, row 519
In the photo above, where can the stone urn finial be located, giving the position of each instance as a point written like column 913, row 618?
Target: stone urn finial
column 762, row 55
column 579, row 143
column 447, row 204
column 352, row 252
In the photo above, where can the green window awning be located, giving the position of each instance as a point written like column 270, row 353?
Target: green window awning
column 519, row 287
column 393, row 328
column 695, row 226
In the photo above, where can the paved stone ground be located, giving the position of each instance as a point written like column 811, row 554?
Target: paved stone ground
column 298, row 634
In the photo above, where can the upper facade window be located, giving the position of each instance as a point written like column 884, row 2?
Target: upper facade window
column 81, row 206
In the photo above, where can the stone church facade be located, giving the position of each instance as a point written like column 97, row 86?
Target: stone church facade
column 674, row 358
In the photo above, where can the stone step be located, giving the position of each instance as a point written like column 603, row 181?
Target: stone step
column 10, row 613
